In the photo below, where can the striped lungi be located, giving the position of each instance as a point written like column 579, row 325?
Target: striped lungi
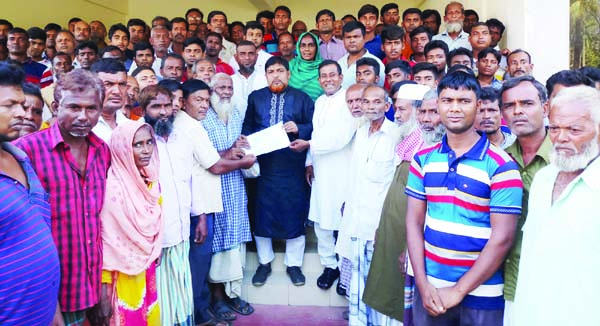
column 175, row 286
column 360, row 313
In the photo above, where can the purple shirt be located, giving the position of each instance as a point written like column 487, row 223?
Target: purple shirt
column 332, row 50
column 29, row 266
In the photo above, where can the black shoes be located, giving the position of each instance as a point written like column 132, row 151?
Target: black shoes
column 296, row 275
column 262, row 272
column 329, row 275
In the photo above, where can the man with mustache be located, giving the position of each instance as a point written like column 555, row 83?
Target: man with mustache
column 326, row 168
column 489, row 119
column 524, row 106
column 563, row 220
column 282, row 191
column 72, row 163
column 112, row 74
column 34, row 107
column 223, row 123
column 179, row 32
column 454, row 36
column 206, row 164
column 30, row 267
column 519, row 63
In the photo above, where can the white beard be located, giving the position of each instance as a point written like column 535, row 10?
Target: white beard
column 578, row 161
column 435, row 136
column 405, row 129
column 454, row 27
column 222, row 108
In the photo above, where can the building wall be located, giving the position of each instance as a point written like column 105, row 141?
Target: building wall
column 41, row 12
column 538, row 26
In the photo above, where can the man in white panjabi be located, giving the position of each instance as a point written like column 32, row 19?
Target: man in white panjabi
column 327, row 168
column 558, row 273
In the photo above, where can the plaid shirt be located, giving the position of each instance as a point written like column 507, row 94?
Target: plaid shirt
column 75, row 203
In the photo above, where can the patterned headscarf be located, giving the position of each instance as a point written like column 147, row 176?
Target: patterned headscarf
column 304, row 73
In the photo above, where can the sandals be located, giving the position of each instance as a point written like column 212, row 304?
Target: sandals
column 222, row 311
column 240, row 306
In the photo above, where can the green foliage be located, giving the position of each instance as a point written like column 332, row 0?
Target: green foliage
column 585, row 33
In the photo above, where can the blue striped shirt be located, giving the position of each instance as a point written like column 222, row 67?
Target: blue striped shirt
column 461, row 193
column 29, row 266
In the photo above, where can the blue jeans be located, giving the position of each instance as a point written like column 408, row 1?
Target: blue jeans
column 200, row 258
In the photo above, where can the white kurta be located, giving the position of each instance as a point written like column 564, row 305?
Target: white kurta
column 558, row 274
column 333, row 129
column 372, row 170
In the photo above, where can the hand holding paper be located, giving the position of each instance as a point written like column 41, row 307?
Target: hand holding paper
column 268, row 140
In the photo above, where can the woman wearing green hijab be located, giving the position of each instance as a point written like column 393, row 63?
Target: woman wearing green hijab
column 304, row 68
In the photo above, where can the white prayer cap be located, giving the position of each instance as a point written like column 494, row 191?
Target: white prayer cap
column 413, row 92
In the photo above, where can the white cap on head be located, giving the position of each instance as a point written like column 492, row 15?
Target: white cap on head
column 413, row 92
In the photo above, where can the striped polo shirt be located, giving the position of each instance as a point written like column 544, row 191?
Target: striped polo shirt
column 461, row 193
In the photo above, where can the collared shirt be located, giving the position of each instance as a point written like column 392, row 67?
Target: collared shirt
column 461, row 193
column 560, row 240
column 349, row 72
column 179, row 183
column 374, row 47
column 462, row 41
column 29, row 266
column 332, row 50
column 75, row 201
column 103, row 130
column 372, row 171
column 541, row 159
column 206, row 187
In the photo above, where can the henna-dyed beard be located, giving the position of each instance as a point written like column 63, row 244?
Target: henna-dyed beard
column 277, row 88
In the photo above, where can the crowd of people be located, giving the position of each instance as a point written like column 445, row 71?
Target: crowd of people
column 445, row 184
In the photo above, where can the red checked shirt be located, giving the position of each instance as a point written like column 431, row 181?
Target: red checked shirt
column 75, row 202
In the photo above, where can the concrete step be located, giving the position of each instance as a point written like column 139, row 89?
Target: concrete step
column 279, row 290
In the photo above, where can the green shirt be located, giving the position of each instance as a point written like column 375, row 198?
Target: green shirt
column 511, row 266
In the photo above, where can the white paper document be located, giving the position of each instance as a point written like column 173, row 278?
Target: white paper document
column 268, row 140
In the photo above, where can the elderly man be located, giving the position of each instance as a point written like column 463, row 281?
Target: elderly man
column 489, row 119
column 564, row 219
column 464, row 200
column 454, row 35
column 223, row 123
column 72, row 163
column 207, row 164
column 112, row 74
column 385, row 283
column 30, row 275
column 282, row 192
column 327, row 171
column 523, row 102
column 371, row 171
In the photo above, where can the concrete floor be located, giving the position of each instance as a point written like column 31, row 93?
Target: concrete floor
column 280, row 315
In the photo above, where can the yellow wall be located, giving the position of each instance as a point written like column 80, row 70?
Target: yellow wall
column 41, row 12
